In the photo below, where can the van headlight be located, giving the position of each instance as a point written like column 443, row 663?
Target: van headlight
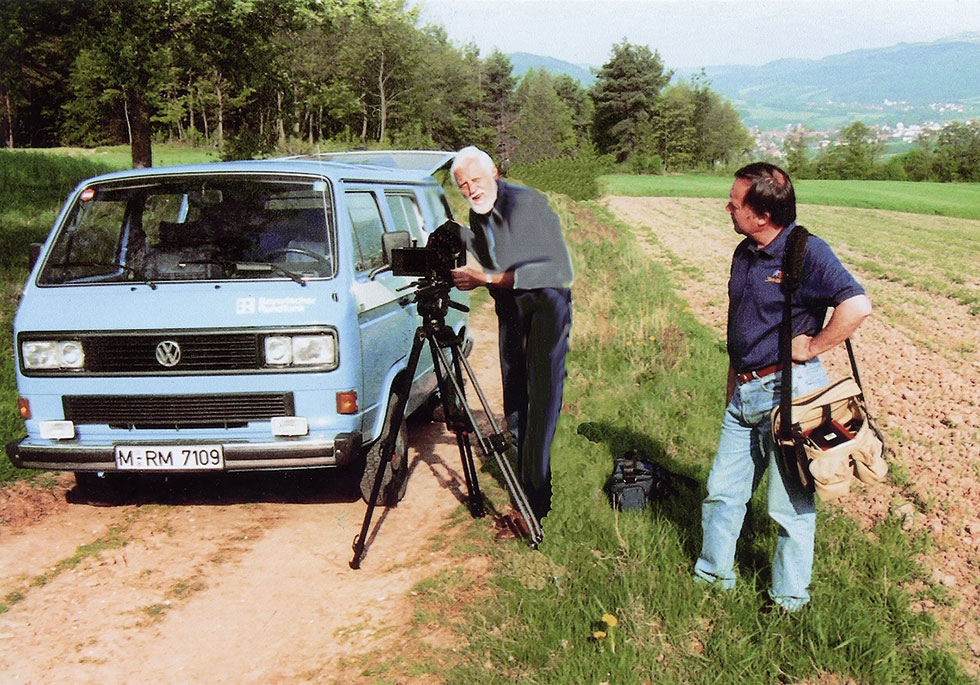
column 301, row 350
column 52, row 354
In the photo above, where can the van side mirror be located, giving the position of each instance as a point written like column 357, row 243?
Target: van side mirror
column 33, row 253
column 395, row 240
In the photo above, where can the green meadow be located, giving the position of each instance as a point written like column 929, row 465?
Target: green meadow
column 608, row 597
column 943, row 199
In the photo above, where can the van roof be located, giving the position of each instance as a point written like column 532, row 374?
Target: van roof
column 429, row 161
column 368, row 165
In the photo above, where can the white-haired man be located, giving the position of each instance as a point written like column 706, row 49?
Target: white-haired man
column 520, row 256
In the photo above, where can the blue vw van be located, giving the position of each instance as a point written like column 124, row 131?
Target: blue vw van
column 226, row 316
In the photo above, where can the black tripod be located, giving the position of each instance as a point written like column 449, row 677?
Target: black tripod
column 432, row 298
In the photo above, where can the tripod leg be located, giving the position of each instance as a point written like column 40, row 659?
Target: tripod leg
column 454, row 404
column 496, row 445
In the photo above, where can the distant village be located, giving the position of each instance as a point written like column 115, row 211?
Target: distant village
column 770, row 142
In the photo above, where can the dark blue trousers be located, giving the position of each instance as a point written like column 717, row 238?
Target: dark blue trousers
column 533, row 330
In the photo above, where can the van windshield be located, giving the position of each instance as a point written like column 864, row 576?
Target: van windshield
column 192, row 228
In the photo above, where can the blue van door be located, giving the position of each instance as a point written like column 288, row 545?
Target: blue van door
column 385, row 310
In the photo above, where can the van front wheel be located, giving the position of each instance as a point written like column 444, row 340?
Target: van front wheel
column 395, row 480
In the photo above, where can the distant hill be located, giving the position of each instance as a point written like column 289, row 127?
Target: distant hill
column 523, row 61
column 909, row 82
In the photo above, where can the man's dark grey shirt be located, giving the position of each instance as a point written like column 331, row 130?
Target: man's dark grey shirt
column 523, row 234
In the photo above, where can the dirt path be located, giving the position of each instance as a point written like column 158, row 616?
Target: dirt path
column 243, row 579
column 922, row 388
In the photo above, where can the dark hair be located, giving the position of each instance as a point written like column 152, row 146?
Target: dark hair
column 771, row 192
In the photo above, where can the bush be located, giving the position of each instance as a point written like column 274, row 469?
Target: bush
column 575, row 176
column 646, row 163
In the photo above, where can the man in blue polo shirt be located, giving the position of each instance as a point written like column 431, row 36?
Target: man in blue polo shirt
column 762, row 204
column 521, row 258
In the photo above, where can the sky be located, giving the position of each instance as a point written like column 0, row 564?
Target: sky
column 690, row 34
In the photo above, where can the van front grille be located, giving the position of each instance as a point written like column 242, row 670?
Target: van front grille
column 198, row 352
column 176, row 411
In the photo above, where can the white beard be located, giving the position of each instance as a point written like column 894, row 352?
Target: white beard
column 485, row 203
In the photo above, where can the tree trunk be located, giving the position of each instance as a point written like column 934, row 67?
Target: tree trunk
column 297, row 114
column 8, row 110
column 220, row 131
column 129, row 125
column 382, row 98
column 364, row 121
column 190, row 105
column 141, row 148
column 280, row 123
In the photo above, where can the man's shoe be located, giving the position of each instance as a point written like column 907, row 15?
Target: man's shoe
column 772, row 607
column 511, row 525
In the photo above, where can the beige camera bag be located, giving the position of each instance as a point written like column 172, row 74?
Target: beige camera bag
column 858, row 452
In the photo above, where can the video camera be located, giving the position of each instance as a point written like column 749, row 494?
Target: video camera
column 443, row 252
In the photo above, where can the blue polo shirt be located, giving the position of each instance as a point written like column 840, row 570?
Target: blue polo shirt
column 755, row 300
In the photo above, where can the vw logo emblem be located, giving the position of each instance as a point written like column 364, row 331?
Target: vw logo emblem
column 168, row 353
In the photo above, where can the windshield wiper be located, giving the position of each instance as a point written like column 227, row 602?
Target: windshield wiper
column 97, row 265
column 242, row 267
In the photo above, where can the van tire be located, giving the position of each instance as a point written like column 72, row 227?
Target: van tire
column 395, row 480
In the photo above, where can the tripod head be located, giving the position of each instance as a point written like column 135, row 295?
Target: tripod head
column 433, row 299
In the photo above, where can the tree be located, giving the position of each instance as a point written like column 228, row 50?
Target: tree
column 543, row 129
column 577, row 99
column 796, row 147
column 957, row 152
column 498, row 84
column 674, row 130
column 35, row 58
column 625, row 95
column 854, row 156
column 918, row 164
column 452, row 105
column 131, row 54
column 720, row 134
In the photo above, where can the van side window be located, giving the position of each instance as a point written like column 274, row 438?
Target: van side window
column 438, row 206
column 405, row 212
column 365, row 217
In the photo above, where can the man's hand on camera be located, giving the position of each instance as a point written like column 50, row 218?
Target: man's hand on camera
column 467, row 278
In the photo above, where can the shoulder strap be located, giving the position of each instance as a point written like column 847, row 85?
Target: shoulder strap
column 792, row 277
column 793, row 260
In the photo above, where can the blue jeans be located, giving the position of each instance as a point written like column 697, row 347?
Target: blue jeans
column 745, row 449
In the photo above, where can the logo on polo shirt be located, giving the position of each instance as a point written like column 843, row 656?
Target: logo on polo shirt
column 775, row 277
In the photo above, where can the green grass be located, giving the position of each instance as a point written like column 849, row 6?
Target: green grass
column 643, row 373
column 943, row 199
column 120, row 156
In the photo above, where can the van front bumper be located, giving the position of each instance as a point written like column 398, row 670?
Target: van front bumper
column 238, row 456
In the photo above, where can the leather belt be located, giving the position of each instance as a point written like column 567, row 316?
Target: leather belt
column 747, row 376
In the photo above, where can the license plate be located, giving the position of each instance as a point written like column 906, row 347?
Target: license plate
column 169, row 457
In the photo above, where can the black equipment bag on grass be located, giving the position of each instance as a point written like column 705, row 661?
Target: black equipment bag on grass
column 630, row 485
column 637, row 480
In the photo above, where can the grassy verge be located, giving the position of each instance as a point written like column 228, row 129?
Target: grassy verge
column 644, row 373
column 944, row 199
